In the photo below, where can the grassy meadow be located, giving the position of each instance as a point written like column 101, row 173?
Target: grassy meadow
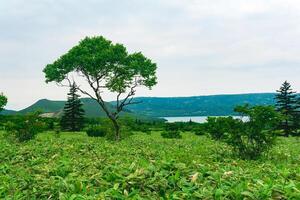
column 74, row 166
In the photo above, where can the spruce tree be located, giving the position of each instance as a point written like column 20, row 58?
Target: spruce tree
column 287, row 105
column 297, row 117
column 73, row 114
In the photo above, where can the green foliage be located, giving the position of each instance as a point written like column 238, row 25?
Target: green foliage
column 106, row 67
column 249, row 139
column 219, row 127
column 136, row 125
column 25, row 128
column 199, row 131
column 97, row 56
column 287, row 105
column 75, row 166
column 73, row 115
column 97, row 131
column 3, row 101
column 171, row 131
column 257, row 135
column 171, row 134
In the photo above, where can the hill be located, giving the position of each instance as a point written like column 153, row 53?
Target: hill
column 214, row 105
column 90, row 106
column 8, row 112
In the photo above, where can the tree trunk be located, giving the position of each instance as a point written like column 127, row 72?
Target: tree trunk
column 113, row 119
column 286, row 129
column 117, row 129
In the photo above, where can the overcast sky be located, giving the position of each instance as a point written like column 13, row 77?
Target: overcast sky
column 200, row 46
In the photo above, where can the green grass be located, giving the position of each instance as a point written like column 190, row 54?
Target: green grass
column 75, row 166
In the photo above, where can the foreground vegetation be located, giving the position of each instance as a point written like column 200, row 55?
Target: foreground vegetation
column 144, row 166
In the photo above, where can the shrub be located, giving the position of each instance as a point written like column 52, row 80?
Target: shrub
column 218, row 127
column 145, row 129
column 171, row 134
column 198, row 131
column 257, row 135
column 171, row 131
column 26, row 128
column 97, row 131
column 125, row 133
column 172, row 127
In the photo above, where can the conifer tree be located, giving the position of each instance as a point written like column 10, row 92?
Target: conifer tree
column 73, row 114
column 287, row 105
column 297, row 117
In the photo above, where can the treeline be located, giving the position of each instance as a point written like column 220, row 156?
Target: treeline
column 250, row 136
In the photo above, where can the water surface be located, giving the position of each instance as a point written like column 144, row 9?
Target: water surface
column 198, row 119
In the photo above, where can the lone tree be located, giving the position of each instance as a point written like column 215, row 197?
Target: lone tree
column 3, row 101
column 286, row 105
column 73, row 115
column 107, row 68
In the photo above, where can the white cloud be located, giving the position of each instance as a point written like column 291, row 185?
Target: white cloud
column 201, row 46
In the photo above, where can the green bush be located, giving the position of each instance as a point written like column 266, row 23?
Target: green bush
column 172, row 130
column 218, row 127
column 171, row 134
column 25, row 128
column 248, row 139
column 125, row 132
column 97, row 131
column 257, row 135
column 145, row 129
column 199, row 131
column 172, row 127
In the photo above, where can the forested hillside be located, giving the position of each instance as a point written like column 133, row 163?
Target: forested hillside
column 216, row 105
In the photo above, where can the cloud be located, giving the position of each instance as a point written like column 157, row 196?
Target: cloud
column 200, row 46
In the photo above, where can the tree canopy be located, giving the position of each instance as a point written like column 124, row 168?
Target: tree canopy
column 3, row 101
column 100, row 61
column 106, row 67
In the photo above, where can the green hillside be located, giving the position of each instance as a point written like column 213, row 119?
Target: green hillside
column 90, row 106
column 8, row 112
column 215, row 105
column 44, row 105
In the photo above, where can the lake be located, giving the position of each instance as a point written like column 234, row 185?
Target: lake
column 198, row 119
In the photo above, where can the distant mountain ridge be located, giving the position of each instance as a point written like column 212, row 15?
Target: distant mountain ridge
column 212, row 105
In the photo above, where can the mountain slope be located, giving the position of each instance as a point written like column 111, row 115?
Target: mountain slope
column 8, row 112
column 44, row 105
column 91, row 107
column 215, row 105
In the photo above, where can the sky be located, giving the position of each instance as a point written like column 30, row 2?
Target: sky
column 201, row 47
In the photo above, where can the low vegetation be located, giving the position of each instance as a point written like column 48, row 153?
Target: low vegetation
column 144, row 166
column 97, row 131
column 24, row 128
column 251, row 138
column 127, row 158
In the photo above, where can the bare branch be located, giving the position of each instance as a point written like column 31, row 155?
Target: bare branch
column 128, row 100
